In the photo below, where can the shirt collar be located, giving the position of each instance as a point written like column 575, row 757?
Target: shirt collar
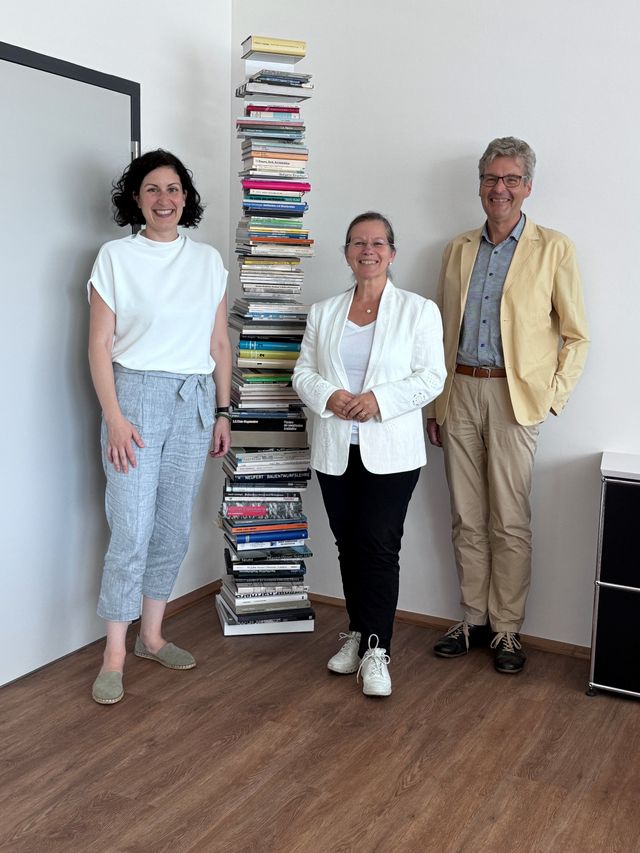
column 516, row 233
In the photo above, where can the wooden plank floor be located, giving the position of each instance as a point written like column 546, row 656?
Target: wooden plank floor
column 261, row 749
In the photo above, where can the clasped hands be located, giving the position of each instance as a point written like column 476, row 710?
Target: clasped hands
column 353, row 407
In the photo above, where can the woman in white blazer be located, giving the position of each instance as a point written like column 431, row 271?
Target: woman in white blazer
column 371, row 358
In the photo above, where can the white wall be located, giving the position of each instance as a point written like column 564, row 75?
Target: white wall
column 407, row 97
column 182, row 63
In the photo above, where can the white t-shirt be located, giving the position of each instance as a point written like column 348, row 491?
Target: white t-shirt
column 355, row 351
column 165, row 297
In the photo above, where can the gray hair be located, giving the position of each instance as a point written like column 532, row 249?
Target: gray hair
column 509, row 146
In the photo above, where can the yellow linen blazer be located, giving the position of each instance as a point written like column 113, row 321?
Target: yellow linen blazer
column 542, row 320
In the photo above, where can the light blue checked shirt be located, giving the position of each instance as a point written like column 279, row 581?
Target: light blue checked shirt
column 480, row 339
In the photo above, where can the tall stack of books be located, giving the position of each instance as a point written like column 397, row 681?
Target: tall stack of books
column 267, row 468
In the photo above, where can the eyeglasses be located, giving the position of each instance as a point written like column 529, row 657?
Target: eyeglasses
column 510, row 181
column 362, row 244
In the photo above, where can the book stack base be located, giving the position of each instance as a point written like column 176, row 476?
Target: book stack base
column 237, row 629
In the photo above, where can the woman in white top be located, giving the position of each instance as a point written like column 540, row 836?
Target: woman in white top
column 158, row 331
column 371, row 358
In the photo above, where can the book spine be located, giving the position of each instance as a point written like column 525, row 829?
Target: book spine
column 294, row 616
column 269, row 544
column 271, row 476
column 275, row 528
column 251, row 599
column 270, row 425
column 276, row 457
column 281, row 509
column 247, row 343
column 262, row 43
column 271, row 109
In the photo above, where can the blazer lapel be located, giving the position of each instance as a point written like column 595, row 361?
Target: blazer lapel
column 385, row 312
column 467, row 260
column 527, row 245
column 343, row 304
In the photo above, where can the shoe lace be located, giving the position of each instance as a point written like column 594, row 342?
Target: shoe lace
column 376, row 657
column 351, row 637
column 455, row 631
column 348, row 639
column 509, row 641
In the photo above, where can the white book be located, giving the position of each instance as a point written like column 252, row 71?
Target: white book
column 271, row 544
column 250, row 600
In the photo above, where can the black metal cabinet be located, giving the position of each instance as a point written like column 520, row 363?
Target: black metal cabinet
column 615, row 643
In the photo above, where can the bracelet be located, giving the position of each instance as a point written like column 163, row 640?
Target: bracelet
column 220, row 409
column 224, row 415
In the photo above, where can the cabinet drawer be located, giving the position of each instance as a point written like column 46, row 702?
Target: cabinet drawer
column 616, row 650
column 620, row 557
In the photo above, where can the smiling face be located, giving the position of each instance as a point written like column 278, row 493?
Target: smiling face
column 161, row 200
column 502, row 204
column 368, row 251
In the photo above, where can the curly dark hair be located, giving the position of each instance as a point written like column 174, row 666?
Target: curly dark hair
column 125, row 207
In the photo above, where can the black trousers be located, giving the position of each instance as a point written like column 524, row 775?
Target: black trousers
column 366, row 514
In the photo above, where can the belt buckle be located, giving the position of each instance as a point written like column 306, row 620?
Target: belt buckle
column 486, row 372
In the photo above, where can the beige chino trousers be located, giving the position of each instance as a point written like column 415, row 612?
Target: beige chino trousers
column 489, row 463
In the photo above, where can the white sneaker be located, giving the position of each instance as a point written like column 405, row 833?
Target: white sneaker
column 347, row 659
column 376, row 680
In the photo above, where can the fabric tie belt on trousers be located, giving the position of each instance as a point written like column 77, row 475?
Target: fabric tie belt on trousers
column 198, row 383
column 482, row 372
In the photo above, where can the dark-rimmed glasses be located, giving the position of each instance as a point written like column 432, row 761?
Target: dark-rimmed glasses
column 510, row 181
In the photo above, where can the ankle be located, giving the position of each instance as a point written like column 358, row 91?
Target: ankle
column 113, row 660
column 153, row 641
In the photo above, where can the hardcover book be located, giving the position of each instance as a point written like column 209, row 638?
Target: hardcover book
column 292, row 49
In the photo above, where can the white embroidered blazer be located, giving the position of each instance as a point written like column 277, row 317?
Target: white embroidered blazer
column 405, row 372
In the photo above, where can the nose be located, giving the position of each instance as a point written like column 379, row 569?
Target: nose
column 500, row 178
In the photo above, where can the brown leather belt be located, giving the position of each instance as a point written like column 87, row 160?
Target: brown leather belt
column 482, row 372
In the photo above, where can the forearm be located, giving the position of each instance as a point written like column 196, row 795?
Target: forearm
column 101, row 367
column 222, row 372
column 426, row 372
column 568, row 303
column 309, row 385
column 397, row 398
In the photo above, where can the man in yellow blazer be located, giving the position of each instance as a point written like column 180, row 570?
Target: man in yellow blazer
column 515, row 340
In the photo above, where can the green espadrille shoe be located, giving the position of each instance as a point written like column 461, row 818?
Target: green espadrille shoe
column 169, row 655
column 107, row 688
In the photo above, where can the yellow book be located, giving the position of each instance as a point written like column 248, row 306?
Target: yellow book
column 266, row 44
column 284, row 355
